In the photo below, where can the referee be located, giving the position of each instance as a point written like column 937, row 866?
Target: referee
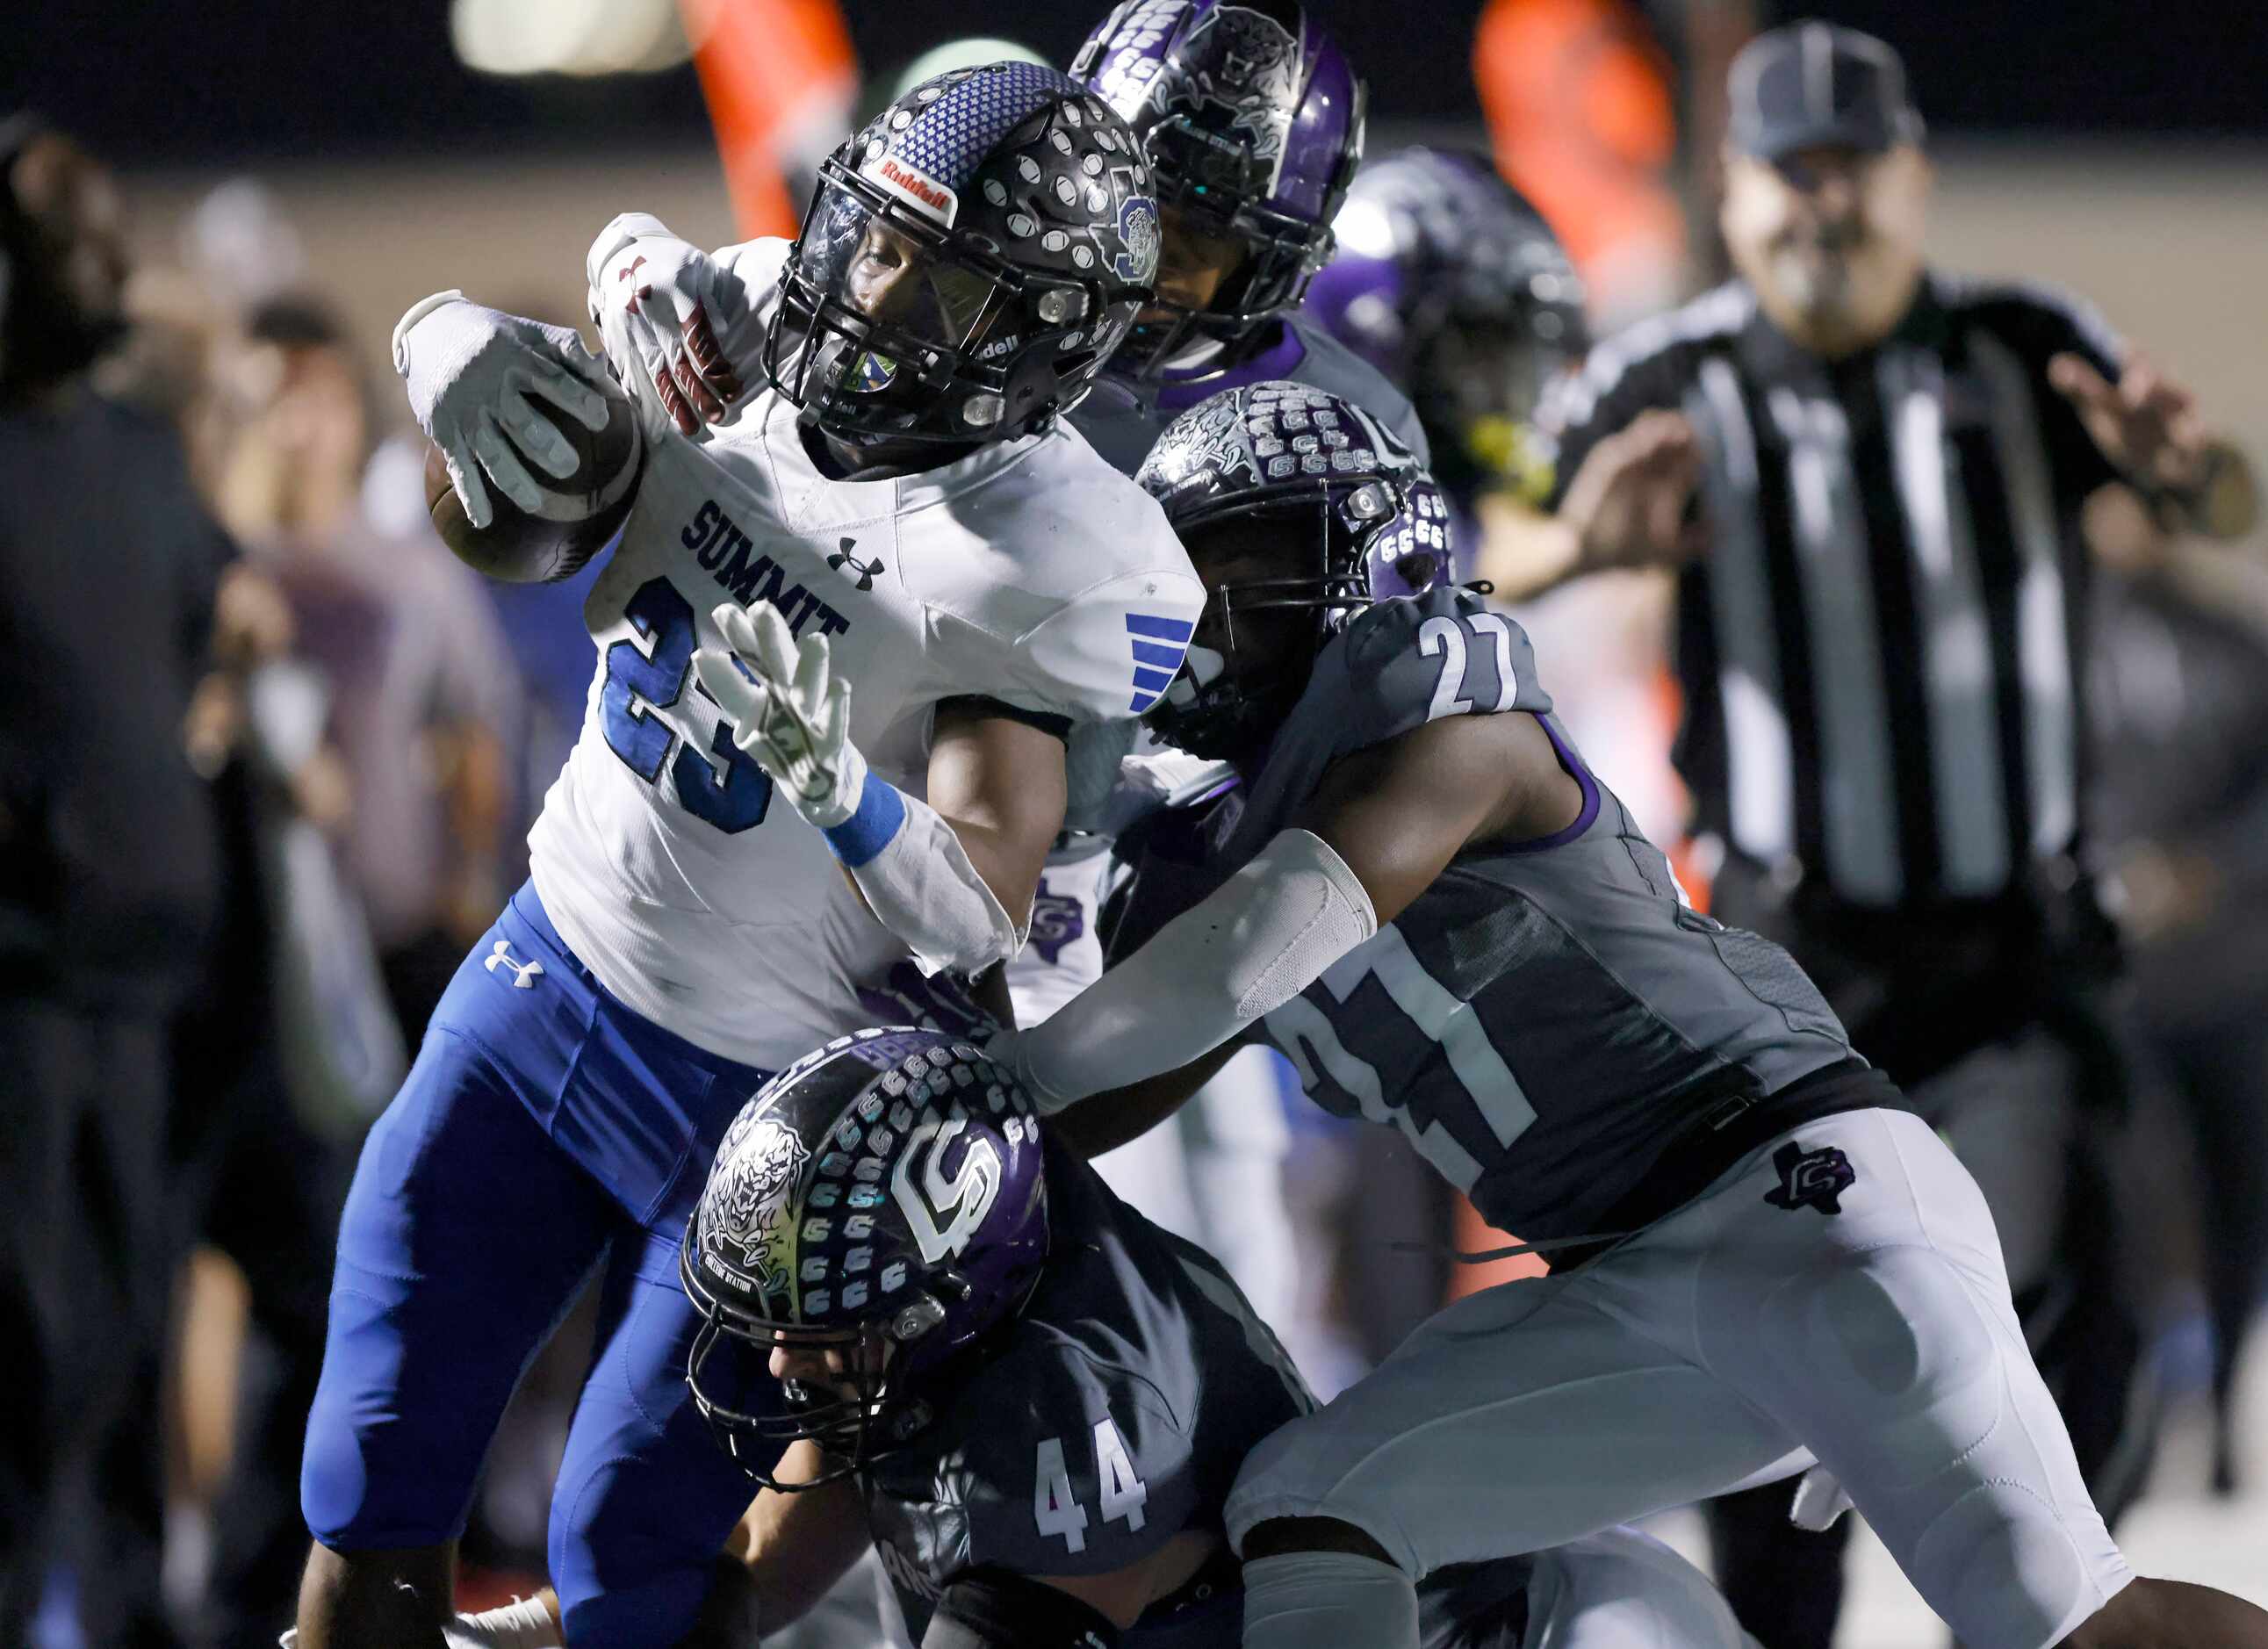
column 1871, row 475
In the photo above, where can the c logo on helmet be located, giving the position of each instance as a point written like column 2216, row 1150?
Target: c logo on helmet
column 1137, row 234
column 744, row 1212
column 944, row 1213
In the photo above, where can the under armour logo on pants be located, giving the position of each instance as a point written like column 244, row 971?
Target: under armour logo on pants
column 524, row 975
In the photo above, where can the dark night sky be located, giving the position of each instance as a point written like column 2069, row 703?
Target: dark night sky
column 267, row 79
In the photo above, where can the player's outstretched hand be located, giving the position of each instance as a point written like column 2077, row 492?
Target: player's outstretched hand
column 665, row 311
column 786, row 712
column 470, row 372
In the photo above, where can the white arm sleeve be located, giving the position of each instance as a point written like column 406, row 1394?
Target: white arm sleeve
column 1247, row 949
column 923, row 888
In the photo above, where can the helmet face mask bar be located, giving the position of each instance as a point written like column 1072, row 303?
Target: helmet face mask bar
column 884, row 318
column 732, row 1354
column 1219, row 192
column 1323, row 525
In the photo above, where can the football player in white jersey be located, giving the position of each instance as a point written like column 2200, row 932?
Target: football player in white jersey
column 1252, row 121
column 901, row 509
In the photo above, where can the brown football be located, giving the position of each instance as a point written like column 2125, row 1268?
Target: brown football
column 578, row 517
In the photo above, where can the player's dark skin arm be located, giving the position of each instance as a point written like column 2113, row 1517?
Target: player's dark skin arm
column 1107, row 1121
column 1398, row 813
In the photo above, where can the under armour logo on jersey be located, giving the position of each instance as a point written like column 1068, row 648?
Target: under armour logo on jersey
column 1810, row 1179
column 524, row 975
column 848, row 564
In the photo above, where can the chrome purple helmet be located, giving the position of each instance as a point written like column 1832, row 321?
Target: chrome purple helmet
column 1252, row 122
column 881, row 1198
column 1450, row 283
column 1347, row 517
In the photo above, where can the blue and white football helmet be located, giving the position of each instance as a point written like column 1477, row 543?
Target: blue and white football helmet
column 970, row 260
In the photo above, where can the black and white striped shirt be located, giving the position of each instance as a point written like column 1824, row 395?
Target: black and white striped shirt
column 1877, row 652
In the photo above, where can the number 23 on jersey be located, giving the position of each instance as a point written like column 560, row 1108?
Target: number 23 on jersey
column 1055, row 1508
column 730, row 792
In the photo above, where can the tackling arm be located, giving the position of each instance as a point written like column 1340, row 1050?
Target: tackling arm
column 1385, row 822
column 1125, row 1114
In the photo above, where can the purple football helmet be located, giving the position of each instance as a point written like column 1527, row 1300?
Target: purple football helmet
column 881, row 1198
column 1252, row 122
column 1350, row 517
column 970, row 260
column 1450, row 283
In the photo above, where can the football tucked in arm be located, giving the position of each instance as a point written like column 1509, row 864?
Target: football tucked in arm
column 578, row 517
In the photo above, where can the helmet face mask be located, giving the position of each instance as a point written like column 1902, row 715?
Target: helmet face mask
column 968, row 261
column 855, row 1418
column 879, row 1205
column 882, row 316
column 1301, row 511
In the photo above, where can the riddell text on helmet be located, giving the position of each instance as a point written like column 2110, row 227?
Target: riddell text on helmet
column 934, row 199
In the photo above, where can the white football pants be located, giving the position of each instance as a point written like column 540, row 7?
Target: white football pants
column 1865, row 1325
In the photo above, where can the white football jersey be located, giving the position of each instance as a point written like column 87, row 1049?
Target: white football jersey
column 1029, row 572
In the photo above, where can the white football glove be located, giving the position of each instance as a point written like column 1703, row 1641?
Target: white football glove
column 667, row 312
column 786, row 713
column 470, row 372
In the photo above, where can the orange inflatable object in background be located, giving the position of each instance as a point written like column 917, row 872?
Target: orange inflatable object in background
column 1584, row 121
column 780, row 79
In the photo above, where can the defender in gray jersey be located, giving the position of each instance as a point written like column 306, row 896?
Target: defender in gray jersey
column 1054, row 1471
column 1032, row 1401
column 1427, row 903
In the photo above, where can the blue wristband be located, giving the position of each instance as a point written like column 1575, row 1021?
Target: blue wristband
column 866, row 832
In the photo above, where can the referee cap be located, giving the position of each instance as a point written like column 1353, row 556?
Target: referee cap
column 1816, row 84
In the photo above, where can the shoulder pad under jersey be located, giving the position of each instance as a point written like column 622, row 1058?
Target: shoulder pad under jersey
column 1066, row 592
column 1396, row 666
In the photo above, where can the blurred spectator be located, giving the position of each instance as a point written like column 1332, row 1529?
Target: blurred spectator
column 420, row 680
column 109, row 866
column 2180, row 680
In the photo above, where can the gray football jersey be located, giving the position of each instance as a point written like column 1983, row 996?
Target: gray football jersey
column 1111, row 1417
column 1122, row 418
column 1547, row 1018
